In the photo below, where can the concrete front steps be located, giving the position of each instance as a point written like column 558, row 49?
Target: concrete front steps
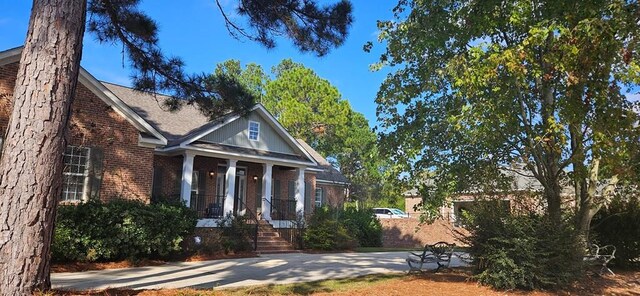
column 270, row 242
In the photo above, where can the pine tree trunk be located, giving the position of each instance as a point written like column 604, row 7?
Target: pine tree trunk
column 31, row 164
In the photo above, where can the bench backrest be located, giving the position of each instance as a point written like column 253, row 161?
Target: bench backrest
column 442, row 248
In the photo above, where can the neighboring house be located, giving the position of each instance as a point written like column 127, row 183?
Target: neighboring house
column 521, row 184
column 123, row 143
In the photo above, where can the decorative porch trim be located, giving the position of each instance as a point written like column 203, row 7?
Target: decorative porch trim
column 175, row 150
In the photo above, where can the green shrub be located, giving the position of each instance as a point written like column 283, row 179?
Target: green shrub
column 618, row 225
column 363, row 226
column 324, row 232
column 119, row 229
column 237, row 235
column 523, row 251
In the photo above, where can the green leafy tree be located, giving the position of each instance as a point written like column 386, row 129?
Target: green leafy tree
column 309, row 107
column 480, row 85
column 312, row 109
column 31, row 165
column 252, row 77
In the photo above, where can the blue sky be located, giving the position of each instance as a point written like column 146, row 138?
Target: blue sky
column 194, row 30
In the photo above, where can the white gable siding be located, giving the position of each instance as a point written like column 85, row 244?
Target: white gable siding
column 236, row 133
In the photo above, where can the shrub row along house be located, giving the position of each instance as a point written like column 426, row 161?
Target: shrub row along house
column 124, row 144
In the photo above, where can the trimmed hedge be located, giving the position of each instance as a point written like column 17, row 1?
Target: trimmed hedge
column 330, row 229
column 119, row 229
column 363, row 226
column 324, row 232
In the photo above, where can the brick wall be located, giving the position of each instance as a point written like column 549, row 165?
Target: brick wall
column 407, row 233
column 334, row 195
column 127, row 167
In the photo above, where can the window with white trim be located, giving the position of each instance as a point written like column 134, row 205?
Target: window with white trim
column 254, row 130
column 75, row 173
column 318, row 199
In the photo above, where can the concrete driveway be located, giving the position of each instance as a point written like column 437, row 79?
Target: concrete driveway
column 266, row 269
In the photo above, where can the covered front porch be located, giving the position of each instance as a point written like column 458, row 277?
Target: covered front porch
column 215, row 187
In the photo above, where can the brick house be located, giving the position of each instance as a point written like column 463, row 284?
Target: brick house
column 123, row 143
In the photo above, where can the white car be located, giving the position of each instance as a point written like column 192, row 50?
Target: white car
column 389, row 213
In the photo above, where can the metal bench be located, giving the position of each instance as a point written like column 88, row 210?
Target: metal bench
column 438, row 253
column 600, row 256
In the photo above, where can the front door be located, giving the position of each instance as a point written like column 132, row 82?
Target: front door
column 240, row 198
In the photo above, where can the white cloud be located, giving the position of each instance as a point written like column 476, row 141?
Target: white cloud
column 633, row 97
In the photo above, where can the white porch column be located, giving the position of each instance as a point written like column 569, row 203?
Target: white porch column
column 187, row 174
column 267, row 173
column 300, row 191
column 231, row 187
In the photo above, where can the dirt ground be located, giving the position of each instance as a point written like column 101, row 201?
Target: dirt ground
column 458, row 284
column 445, row 284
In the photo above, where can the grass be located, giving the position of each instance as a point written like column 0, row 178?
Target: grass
column 337, row 285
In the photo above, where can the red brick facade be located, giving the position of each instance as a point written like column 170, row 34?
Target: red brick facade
column 334, row 195
column 128, row 169
column 126, row 166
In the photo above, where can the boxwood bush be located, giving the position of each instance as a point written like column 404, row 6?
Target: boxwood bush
column 332, row 229
column 119, row 229
column 325, row 232
column 363, row 226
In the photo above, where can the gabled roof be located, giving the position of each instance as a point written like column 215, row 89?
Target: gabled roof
column 173, row 125
column 148, row 132
column 326, row 172
column 185, row 127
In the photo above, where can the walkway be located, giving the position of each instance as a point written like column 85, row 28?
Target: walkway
column 267, row 269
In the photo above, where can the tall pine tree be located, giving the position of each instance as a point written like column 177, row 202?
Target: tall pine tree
column 31, row 165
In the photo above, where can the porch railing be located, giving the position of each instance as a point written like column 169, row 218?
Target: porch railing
column 252, row 223
column 207, row 205
column 285, row 210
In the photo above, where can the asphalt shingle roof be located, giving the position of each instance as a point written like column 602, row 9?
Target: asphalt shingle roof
column 328, row 173
column 172, row 125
